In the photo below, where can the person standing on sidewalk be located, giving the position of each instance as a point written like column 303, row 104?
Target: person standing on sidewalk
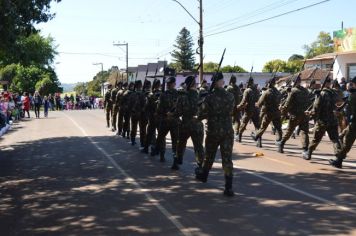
column 37, row 101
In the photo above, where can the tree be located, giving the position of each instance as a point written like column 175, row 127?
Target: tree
column 323, row 44
column 296, row 57
column 210, row 66
column 18, row 19
column 183, row 55
column 235, row 69
column 275, row 65
column 81, row 88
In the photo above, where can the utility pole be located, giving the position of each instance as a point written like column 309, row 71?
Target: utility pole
column 127, row 56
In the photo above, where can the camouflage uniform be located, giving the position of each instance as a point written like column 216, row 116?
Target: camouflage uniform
column 296, row 104
column 187, row 108
column 118, row 103
column 143, row 122
column 126, row 109
column 236, row 115
column 323, row 111
column 115, row 108
column 269, row 101
column 350, row 132
column 151, row 108
column 167, row 123
column 248, row 104
column 217, row 109
column 137, row 101
column 108, row 106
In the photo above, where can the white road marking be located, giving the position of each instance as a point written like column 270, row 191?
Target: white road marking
column 149, row 197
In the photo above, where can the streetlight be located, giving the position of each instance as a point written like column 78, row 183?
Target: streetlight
column 102, row 72
column 201, row 38
column 127, row 56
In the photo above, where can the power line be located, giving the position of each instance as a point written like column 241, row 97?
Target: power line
column 266, row 19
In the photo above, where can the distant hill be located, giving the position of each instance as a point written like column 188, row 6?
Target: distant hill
column 68, row 87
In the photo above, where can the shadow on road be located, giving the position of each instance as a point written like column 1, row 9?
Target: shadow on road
column 64, row 186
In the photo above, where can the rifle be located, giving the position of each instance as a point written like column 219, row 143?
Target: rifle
column 317, row 93
column 251, row 70
column 217, row 71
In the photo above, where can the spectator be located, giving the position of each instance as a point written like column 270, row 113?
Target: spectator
column 26, row 104
column 46, row 105
column 37, row 100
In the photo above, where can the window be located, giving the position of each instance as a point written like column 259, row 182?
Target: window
column 351, row 71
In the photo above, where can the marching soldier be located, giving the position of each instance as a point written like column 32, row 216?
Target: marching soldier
column 203, row 89
column 137, row 102
column 144, row 113
column 269, row 102
column 108, row 105
column 115, row 108
column 236, row 115
column 217, row 109
column 350, row 132
column 326, row 121
column 167, row 122
column 118, row 102
column 126, row 108
column 295, row 105
column 187, row 108
column 248, row 104
column 151, row 108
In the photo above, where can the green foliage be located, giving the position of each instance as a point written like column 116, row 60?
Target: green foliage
column 235, row 69
column 283, row 66
column 210, row 66
column 18, row 19
column 323, row 44
column 30, row 78
column 296, row 57
column 183, row 56
column 81, row 88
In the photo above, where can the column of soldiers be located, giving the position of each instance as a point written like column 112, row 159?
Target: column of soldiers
column 157, row 111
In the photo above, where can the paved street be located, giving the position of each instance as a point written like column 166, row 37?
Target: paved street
column 69, row 175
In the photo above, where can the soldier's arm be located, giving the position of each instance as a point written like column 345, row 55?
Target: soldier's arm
column 179, row 107
column 262, row 99
column 287, row 104
column 203, row 110
column 244, row 100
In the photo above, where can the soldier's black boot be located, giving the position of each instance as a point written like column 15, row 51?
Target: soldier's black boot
column 259, row 142
column 240, row 138
column 161, row 157
column 280, row 146
column 307, row 155
column 228, row 186
column 253, row 136
column 293, row 135
column 144, row 150
column 201, row 174
column 175, row 165
column 154, row 151
column 180, row 160
column 274, row 130
column 336, row 163
column 237, row 137
column 133, row 141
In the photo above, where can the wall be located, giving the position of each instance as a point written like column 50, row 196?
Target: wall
column 343, row 60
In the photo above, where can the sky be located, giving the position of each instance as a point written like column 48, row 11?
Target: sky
column 85, row 30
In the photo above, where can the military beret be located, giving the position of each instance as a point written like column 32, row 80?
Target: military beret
column 189, row 80
column 250, row 81
column 125, row 84
column 217, row 76
column 232, row 79
column 147, row 83
column 353, row 80
column 171, row 80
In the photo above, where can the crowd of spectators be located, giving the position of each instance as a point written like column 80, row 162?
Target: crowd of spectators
column 14, row 107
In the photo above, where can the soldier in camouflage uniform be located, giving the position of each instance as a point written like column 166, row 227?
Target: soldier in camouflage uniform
column 339, row 96
column 167, row 122
column 269, row 103
column 126, row 109
column 151, row 108
column 120, row 120
column 144, row 113
column 295, row 105
column 217, row 109
column 115, row 108
column 108, row 105
column 236, row 115
column 203, row 89
column 137, row 101
column 187, row 108
column 248, row 104
column 350, row 132
column 326, row 121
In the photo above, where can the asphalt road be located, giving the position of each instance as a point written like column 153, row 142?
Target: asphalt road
column 69, row 175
